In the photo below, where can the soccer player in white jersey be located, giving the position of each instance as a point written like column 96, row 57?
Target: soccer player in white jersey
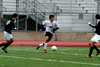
column 50, row 27
column 9, row 26
column 95, row 38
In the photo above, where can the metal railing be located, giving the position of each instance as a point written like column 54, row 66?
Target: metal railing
column 40, row 11
column 24, row 7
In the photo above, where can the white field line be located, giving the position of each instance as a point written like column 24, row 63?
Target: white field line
column 50, row 60
column 76, row 54
column 71, row 49
column 48, row 52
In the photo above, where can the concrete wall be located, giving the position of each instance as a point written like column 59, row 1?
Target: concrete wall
column 61, row 36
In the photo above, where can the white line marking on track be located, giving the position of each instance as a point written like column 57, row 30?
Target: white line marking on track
column 49, row 60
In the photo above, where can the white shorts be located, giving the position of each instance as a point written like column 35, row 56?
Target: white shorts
column 96, row 38
column 7, row 35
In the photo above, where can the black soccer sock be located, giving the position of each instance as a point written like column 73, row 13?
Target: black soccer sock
column 2, row 44
column 91, row 50
column 96, row 48
column 6, row 45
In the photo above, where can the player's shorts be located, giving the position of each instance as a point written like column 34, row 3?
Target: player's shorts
column 7, row 35
column 49, row 35
column 96, row 38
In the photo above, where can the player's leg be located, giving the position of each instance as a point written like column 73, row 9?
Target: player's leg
column 91, row 43
column 9, row 41
column 42, row 44
column 95, row 40
column 6, row 37
column 98, row 51
column 93, row 46
column 48, row 37
column 2, row 44
column 7, row 44
column 46, row 43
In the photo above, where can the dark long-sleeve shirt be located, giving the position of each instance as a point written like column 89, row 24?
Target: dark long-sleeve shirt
column 97, row 27
column 10, row 25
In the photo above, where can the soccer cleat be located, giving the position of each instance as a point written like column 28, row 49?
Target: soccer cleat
column 5, row 50
column 37, row 47
column 98, row 53
column 45, row 50
column 88, row 56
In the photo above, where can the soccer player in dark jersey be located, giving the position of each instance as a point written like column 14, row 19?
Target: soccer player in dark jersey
column 95, row 38
column 9, row 26
column 50, row 27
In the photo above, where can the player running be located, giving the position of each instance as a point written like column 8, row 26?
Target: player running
column 96, row 37
column 50, row 27
column 9, row 26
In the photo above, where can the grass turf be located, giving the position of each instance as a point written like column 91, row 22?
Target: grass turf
column 63, row 57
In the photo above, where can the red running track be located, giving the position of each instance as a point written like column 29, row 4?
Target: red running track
column 56, row 43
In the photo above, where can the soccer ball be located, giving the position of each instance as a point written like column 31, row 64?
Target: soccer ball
column 53, row 48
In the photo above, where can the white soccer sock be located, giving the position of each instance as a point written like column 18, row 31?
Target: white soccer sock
column 45, row 45
column 41, row 44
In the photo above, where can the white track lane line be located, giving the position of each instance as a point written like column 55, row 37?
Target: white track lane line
column 50, row 60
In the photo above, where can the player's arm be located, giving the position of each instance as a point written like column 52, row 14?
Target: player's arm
column 13, row 25
column 57, row 27
column 98, row 24
column 93, row 26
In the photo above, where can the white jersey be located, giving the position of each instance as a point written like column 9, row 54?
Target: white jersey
column 50, row 25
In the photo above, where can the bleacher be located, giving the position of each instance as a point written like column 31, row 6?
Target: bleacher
column 72, row 15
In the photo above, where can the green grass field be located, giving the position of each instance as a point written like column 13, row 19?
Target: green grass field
column 63, row 57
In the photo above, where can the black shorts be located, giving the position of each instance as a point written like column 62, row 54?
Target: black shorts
column 49, row 35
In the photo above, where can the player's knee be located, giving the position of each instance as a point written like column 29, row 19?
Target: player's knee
column 47, row 41
column 91, row 43
column 11, row 41
column 47, row 38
